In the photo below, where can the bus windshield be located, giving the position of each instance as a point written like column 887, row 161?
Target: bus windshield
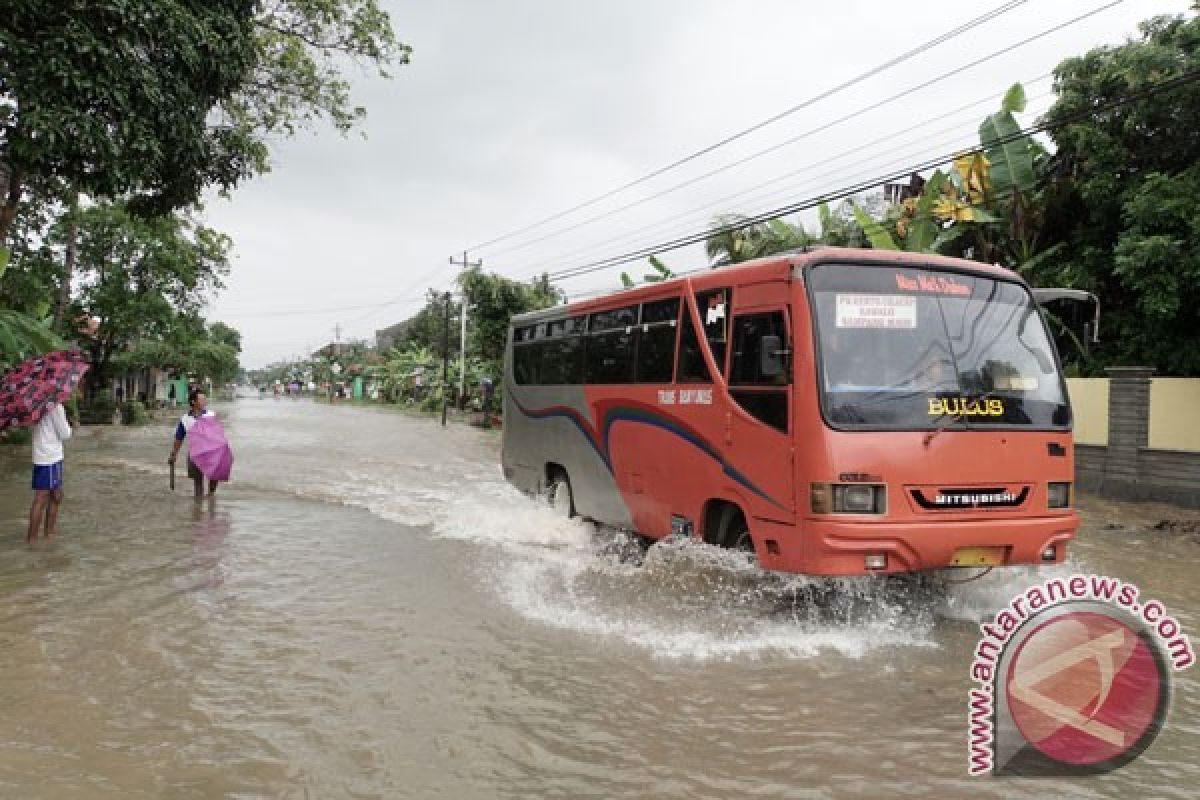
column 902, row 348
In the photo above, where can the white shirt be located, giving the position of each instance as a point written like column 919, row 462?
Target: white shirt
column 49, row 434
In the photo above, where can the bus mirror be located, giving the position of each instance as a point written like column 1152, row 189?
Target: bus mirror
column 771, row 356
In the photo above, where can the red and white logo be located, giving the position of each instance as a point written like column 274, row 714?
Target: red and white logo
column 1074, row 679
column 1084, row 688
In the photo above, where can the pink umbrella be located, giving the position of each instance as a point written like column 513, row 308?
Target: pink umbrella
column 29, row 389
column 209, row 450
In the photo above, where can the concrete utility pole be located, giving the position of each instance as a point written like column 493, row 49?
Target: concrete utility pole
column 462, row 342
column 445, row 354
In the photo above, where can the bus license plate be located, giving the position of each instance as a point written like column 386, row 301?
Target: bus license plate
column 979, row 557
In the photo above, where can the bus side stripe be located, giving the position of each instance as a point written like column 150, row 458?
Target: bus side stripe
column 575, row 417
column 645, row 417
column 641, row 416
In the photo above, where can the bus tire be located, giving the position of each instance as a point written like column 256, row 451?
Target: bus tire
column 560, row 495
column 733, row 532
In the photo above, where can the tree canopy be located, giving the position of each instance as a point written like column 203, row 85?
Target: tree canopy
column 1125, row 206
column 156, row 100
column 113, row 98
column 143, row 278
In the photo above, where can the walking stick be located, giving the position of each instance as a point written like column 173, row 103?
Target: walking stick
column 172, row 476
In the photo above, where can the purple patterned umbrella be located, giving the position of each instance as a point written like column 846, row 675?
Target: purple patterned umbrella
column 30, row 388
column 209, row 450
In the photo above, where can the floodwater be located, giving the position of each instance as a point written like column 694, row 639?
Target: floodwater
column 370, row 611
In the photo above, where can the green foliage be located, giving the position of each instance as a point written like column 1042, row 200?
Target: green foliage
column 1009, row 154
column 661, row 273
column 160, row 100
column 145, row 280
column 302, row 47
column 492, row 301
column 114, row 97
column 1125, row 212
column 427, row 328
column 21, row 335
column 134, row 413
column 226, row 335
column 924, row 231
column 17, row 437
column 877, row 235
column 99, row 409
column 735, row 239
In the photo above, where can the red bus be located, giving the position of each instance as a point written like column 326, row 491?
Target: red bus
column 837, row 412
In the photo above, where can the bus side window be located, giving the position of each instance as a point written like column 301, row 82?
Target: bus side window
column 560, row 361
column 525, row 363
column 763, row 395
column 559, row 356
column 715, row 306
column 609, row 353
column 656, row 341
column 692, row 367
column 748, row 333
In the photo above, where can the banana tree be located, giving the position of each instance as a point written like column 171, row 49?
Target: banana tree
column 999, row 212
column 661, row 273
column 924, row 224
column 989, row 206
column 22, row 335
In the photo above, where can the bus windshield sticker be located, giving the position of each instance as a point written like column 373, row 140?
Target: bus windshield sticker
column 934, row 284
column 716, row 310
column 876, row 311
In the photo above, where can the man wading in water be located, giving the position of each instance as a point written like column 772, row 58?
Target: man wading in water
column 197, row 408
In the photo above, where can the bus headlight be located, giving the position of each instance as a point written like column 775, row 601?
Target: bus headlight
column 1058, row 495
column 849, row 498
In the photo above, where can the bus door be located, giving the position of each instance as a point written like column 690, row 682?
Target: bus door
column 758, row 423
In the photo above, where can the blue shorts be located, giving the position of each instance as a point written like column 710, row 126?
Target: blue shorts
column 48, row 477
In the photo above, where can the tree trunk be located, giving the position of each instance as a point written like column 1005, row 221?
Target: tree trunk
column 10, row 198
column 64, row 291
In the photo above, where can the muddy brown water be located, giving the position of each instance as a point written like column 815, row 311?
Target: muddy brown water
column 369, row 611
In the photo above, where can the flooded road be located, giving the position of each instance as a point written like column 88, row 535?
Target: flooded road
column 370, row 611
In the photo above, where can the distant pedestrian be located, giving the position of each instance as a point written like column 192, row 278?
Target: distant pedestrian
column 48, row 436
column 197, row 408
column 172, row 400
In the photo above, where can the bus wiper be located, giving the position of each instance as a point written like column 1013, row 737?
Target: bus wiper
column 943, row 426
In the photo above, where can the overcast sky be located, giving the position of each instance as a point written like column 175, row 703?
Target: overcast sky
column 512, row 111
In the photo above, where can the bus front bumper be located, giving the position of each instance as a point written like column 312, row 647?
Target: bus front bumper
column 821, row 546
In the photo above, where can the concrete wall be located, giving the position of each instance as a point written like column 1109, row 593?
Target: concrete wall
column 1089, row 403
column 1141, row 458
column 1175, row 414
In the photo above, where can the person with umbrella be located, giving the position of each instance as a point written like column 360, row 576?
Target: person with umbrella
column 48, row 436
column 197, row 410
column 31, row 396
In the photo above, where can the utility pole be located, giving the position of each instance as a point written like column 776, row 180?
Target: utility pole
column 445, row 354
column 462, row 342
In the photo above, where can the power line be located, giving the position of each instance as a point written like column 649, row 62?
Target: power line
column 895, row 61
column 819, row 129
column 294, row 311
column 990, row 98
column 849, row 191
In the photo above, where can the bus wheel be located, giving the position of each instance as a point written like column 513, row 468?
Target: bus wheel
column 735, row 532
column 560, row 496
